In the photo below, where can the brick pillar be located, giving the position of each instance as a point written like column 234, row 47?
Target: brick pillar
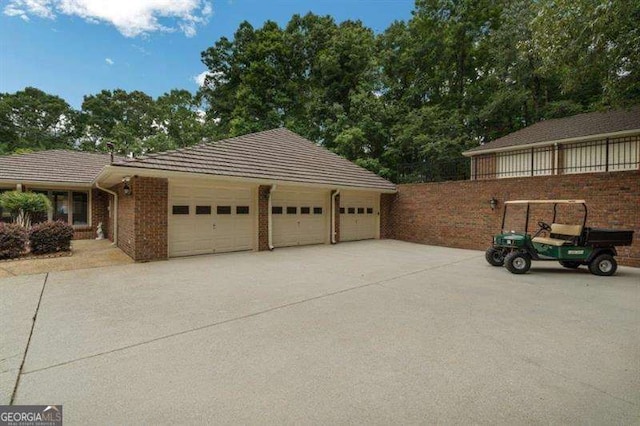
column 337, row 218
column 263, row 217
column 386, row 215
column 143, row 219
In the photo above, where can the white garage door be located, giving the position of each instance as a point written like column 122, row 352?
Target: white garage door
column 210, row 220
column 358, row 216
column 299, row 218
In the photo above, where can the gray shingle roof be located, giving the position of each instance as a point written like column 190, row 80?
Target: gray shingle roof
column 74, row 167
column 278, row 154
column 576, row 126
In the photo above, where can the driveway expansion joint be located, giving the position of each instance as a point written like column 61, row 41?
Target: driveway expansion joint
column 26, row 349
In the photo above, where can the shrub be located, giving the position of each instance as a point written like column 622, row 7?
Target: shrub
column 13, row 239
column 24, row 205
column 50, row 237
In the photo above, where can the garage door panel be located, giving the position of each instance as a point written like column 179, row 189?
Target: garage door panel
column 218, row 220
column 302, row 220
column 358, row 216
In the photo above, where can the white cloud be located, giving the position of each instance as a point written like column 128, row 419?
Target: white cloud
column 199, row 79
column 131, row 17
column 216, row 77
column 109, row 61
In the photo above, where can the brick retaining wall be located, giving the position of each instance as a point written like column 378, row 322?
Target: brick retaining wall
column 458, row 214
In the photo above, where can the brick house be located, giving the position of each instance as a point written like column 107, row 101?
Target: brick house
column 584, row 143
column 254, row 192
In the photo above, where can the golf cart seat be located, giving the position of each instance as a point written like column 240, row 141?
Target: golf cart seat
column 560, row 235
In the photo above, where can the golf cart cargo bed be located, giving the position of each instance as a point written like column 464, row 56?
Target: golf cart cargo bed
column 607, row 237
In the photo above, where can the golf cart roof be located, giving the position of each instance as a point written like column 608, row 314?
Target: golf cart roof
column 546, row 202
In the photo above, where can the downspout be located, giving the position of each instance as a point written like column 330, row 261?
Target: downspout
column 270, row 220
column 115, row 212
column 333, row 216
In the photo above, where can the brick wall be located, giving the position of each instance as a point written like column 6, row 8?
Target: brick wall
column 263, row 217
column 457, row 214
column 143, row 219
column 386, row 215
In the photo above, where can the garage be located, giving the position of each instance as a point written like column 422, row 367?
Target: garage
column 299, row 217
column 210, row 219
column 359, row 213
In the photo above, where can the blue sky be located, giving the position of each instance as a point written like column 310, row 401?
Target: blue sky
column 72, row 48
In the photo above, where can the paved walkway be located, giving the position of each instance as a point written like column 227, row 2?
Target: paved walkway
column 86, row 254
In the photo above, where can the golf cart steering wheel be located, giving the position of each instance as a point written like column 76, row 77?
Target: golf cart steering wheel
column 544, row 226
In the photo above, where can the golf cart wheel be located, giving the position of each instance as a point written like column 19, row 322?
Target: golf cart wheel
column 603, row 265
column 570, row 264
column 494, row 256
column 517, row 262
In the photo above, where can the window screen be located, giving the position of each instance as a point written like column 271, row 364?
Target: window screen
column 180, row 209
column 80, row 208
column 223, row 210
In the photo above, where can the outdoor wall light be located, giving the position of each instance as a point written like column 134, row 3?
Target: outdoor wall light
column 126, row 188
column 493, row 203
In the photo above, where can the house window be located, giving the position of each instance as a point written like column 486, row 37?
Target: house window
column 223, row 210
column 317, row 210
column 292, row 210
column 276, row 210
column 204, row 210
column 180, row 210
column 80, row 208
column 351, row 210
column 67, row 206
column 341, row 210
column 242, row 209
column 305, row 210
column 5, row 216
column 369, row 210
column 360, row 210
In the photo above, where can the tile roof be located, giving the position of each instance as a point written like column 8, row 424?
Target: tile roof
column 278, row 154
column 576, row 126
column 57, row 165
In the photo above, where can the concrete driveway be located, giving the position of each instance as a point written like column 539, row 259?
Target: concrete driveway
column 373, row 332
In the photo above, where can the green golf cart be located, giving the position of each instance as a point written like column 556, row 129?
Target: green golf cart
column 570, row 244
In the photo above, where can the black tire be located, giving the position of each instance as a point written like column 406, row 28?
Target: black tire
column 604, row 265
column 570, row 264
column 494, row 256
column 517, row 262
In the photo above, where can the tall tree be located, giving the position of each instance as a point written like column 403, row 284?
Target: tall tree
column 31, row 119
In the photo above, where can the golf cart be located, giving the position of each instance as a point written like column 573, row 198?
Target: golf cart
column 571, row 245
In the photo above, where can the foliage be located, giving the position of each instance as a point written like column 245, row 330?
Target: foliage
column 13, row 239
column 457, row 74
column 50, row 237
column 24, row 205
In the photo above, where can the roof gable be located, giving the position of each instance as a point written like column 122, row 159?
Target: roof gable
column 57, row 165
column 573, row 127
column 277, row 154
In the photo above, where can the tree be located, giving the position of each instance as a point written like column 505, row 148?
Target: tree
column 31, row 119
column 24, row 205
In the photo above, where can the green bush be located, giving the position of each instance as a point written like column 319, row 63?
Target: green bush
column 50, row 237
column 24, row 205
column 13, row 239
